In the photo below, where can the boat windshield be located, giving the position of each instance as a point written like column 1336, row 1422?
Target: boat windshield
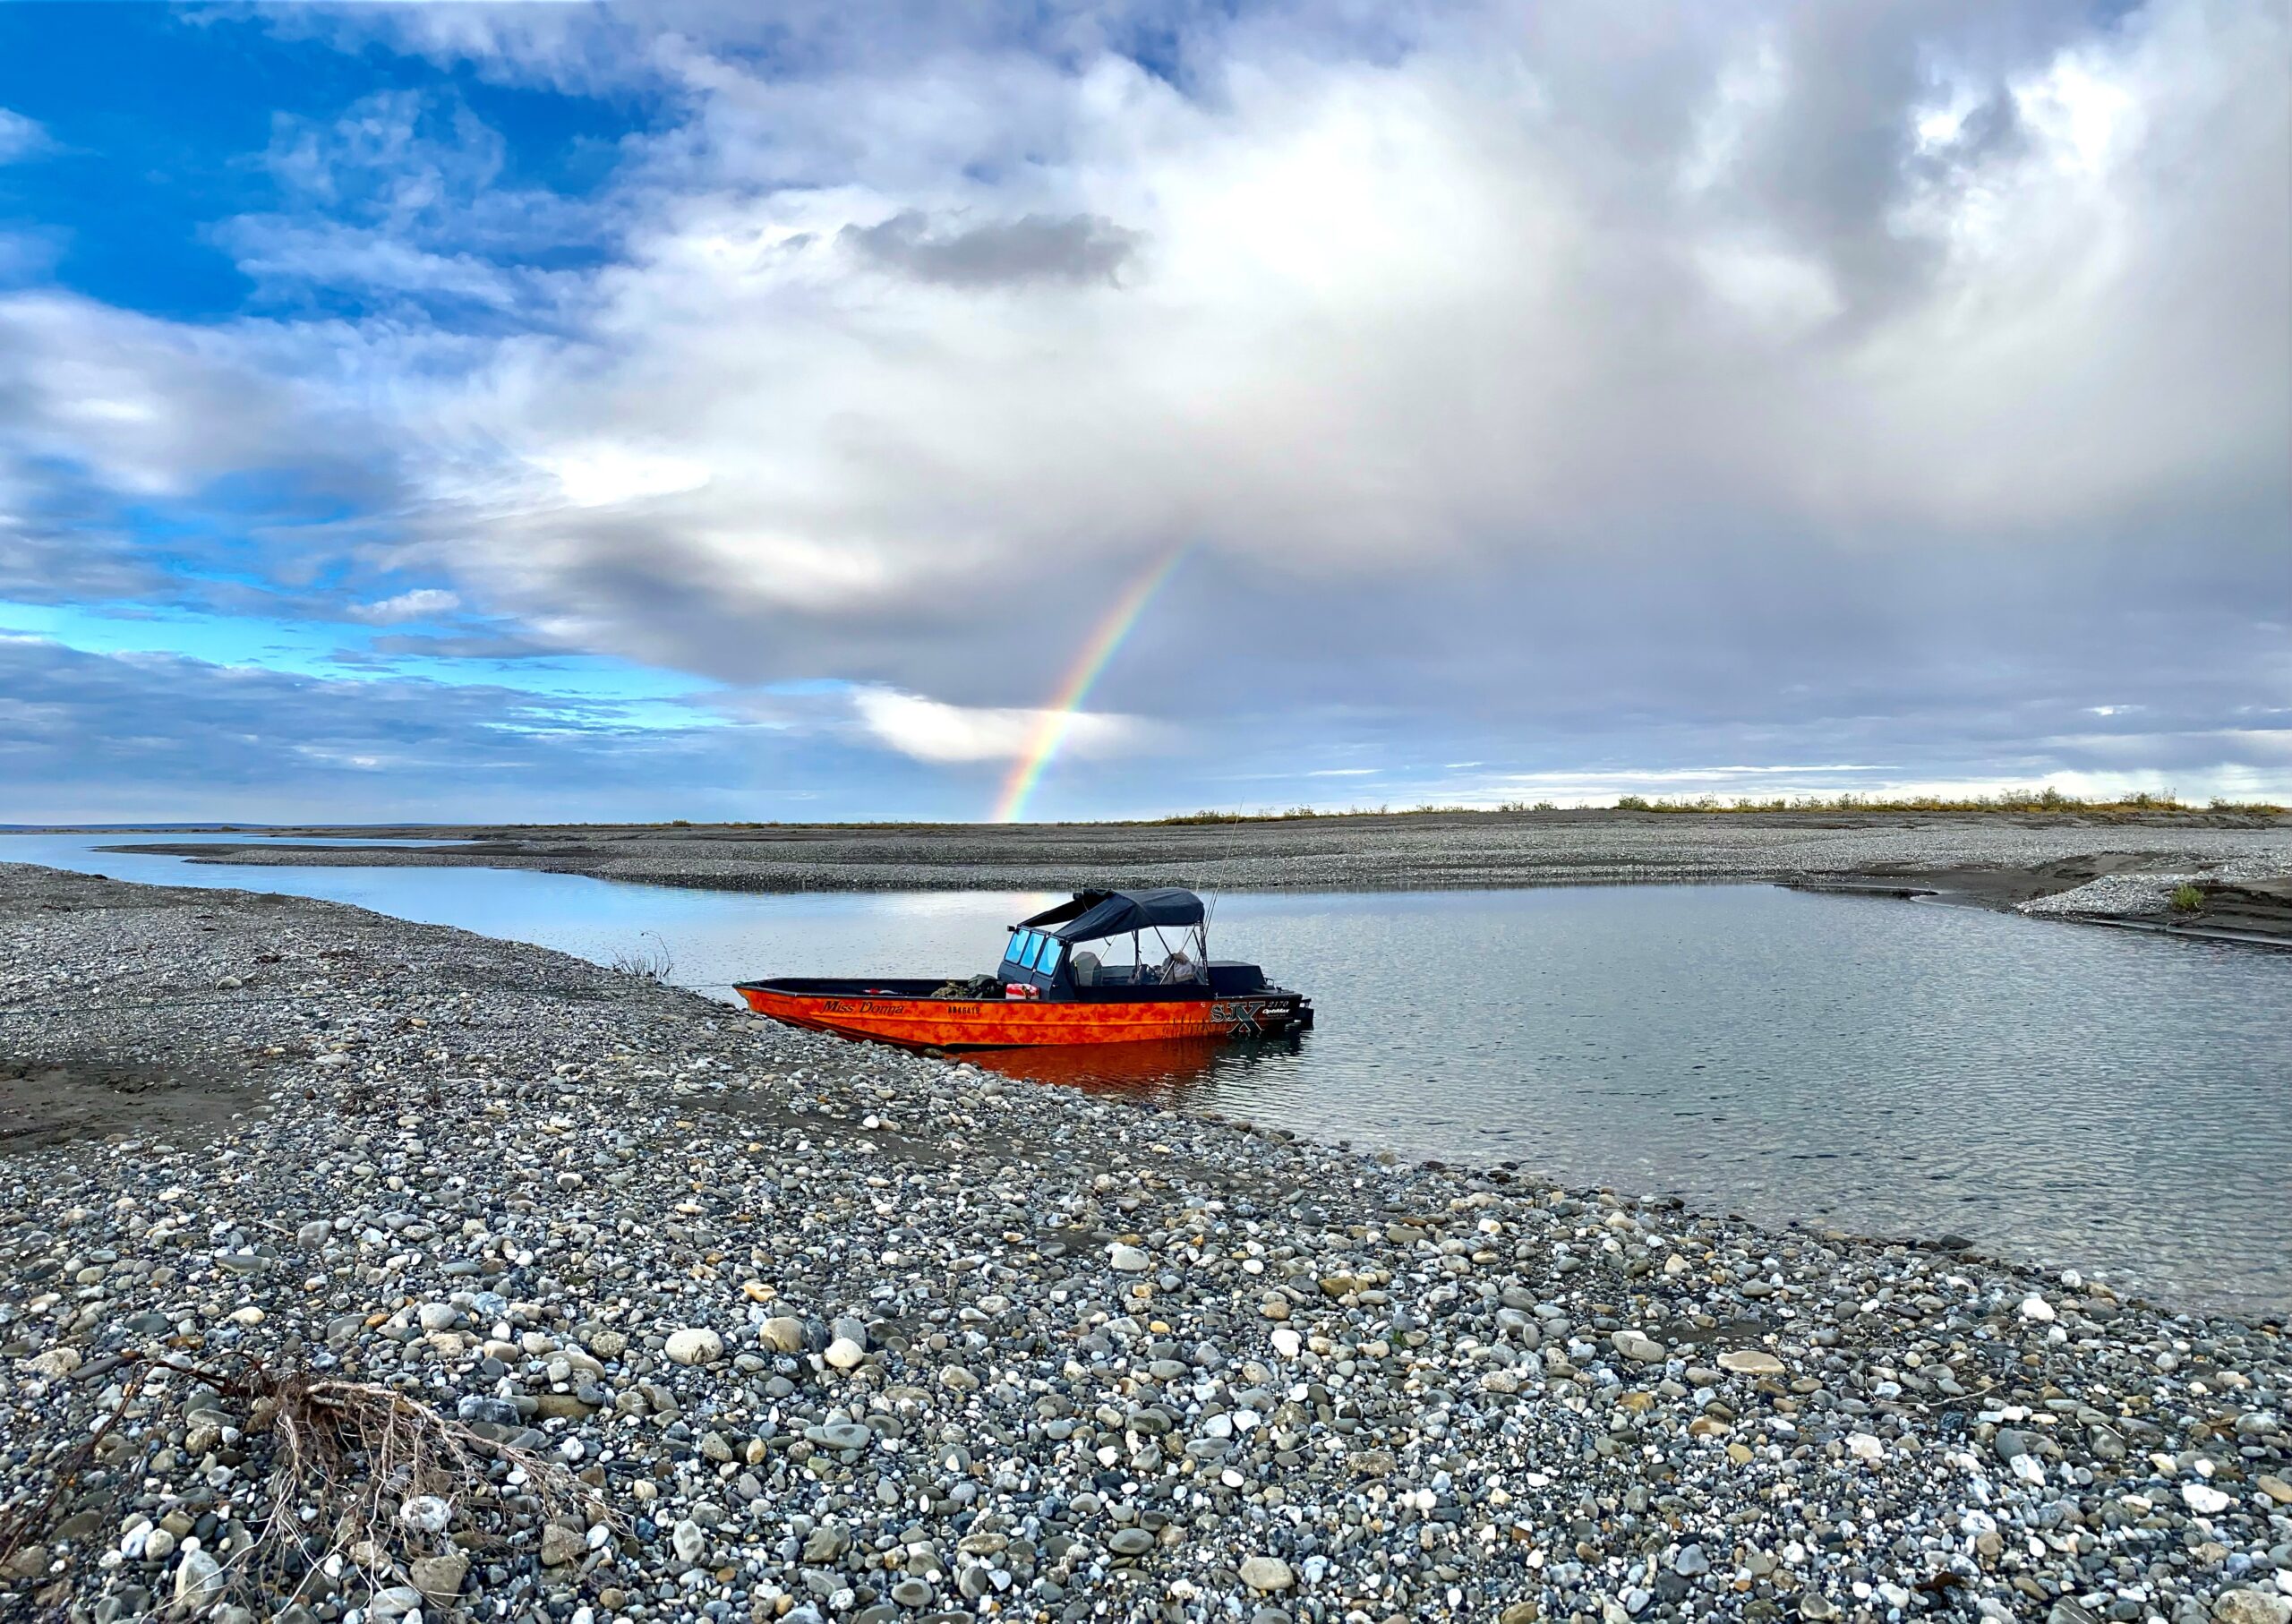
column 1037, row 952
column 1034, row 949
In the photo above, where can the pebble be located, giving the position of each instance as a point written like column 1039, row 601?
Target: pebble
column 1267, row 1573
column 870, row 1373
column 1631, row 1344
column 198, row 1580
column 2247, row 1605
column 440, row 1578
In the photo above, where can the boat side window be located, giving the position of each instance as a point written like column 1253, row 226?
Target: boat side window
column 1052, row 947
column 1020, row 942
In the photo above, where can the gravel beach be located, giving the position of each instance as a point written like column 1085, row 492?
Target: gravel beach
column 813, row 1332
column 1995, row 860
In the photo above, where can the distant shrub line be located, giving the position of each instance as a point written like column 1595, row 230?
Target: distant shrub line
column 2047, row 800
column 1426, row 809
column 2007, row 801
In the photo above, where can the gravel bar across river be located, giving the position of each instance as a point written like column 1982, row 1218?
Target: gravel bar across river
column 828, row 1332
column 1365, row 852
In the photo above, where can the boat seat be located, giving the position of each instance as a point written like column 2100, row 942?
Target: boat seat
column 1086, row 969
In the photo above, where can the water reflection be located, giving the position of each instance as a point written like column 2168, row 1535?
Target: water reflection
column 1168, row 1073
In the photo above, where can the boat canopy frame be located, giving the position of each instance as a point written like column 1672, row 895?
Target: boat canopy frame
column 1093, row 916
column 1098, row 916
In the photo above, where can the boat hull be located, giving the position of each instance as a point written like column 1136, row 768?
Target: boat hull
column 920, row 1021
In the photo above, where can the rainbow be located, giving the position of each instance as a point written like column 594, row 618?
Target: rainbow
column 1054, row 720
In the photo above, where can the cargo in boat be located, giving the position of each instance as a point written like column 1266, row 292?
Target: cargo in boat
column 1055, row 985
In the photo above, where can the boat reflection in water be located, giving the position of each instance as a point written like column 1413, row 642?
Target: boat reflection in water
column 1165, row 1073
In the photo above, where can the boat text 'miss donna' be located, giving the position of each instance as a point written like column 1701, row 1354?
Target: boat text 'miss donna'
column 1054, row 986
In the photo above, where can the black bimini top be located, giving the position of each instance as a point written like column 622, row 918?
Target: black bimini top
column 1094, row 915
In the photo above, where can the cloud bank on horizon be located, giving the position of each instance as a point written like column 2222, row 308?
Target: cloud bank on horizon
column 656, row 410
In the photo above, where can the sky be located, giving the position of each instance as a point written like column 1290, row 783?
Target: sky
column 563, row 411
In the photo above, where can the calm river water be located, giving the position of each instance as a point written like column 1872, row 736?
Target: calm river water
column 2059, row 1093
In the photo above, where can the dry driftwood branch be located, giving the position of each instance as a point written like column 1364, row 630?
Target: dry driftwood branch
column 347, row 1458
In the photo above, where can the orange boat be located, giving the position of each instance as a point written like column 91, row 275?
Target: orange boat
column 1052, row 989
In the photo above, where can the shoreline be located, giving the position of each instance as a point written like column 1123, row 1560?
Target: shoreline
column 981, row 1339
column 2087, row 868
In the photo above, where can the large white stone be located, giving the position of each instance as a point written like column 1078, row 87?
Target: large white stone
column 2204, row 1500
column 425, row 1514
column 56, row 1361
column 1631, row 1344
column 198, row 1580
column 1267, row 1573
column 2248, row 1606
column 695, row 1344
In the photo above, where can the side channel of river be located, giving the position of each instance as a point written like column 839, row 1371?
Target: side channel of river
column 2063, row 1094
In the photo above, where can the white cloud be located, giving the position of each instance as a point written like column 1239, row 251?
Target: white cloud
column 607, row 475
column 930, row 731
column 423, row 604
column 1366, row 314
column 20, row 137
column 155, row 407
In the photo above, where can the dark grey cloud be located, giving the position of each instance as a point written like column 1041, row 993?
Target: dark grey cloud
column 86, row 735
column 45, row 563
column 1079, row 248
